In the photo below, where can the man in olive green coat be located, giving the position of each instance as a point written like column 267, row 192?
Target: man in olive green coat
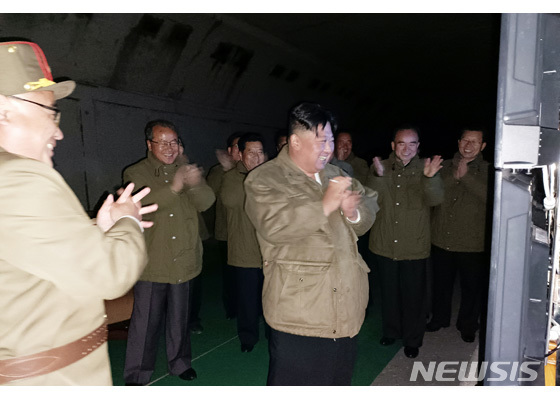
column 400, row 237
column 343, row 152
column 458, row 236
column 243, row 249
column 308, row 215
column 227, row 160
column 161, row 297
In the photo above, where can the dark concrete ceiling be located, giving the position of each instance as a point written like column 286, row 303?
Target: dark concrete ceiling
column 413, row 51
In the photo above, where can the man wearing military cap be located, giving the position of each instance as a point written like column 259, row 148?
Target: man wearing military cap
column 56, row 265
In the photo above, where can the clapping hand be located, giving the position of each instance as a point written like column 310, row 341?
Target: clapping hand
column 432, row 166
column 126, row 205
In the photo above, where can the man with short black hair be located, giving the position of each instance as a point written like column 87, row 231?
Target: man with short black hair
column 400, row 237
column 458, row 236
column 56, row 264
column 243, row 249
column 308, row 215
column 343, row 152
column 227, row 160
column 161, row 296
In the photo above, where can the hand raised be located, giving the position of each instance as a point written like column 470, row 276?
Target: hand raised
column 225, row 159
column 432, row 166
column 111, row 210
column 378, row 166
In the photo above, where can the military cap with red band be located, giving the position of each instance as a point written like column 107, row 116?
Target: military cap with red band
column 24, row 69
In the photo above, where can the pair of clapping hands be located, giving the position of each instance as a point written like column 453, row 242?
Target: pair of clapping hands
column 431, row 166
column 339, row 195
column 130, row 205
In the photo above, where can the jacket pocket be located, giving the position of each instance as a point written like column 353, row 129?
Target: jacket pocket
column 414, row 197
column 301, row 294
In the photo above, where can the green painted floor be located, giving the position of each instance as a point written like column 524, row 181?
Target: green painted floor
column 217, row 357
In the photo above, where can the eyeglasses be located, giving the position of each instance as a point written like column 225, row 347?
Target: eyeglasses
column 54, row 109
column 173, row 144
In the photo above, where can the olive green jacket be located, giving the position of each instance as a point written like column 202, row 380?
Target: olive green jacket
column 402, row 228
column 459, row 223
column 174, row 245
column 214, row 179
column 360, row 167
column 243, row 247
column 315, row 281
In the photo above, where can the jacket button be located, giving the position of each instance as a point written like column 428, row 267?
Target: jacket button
column 396, row 241
column 334, row 331
column 173, row 237
column 397, row 204
column 170, row 215
column 334, row 290
column 301, row 279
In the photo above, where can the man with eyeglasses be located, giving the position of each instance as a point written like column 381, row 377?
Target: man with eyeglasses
column 161, row 296
column 56, row 264
column 400, row 237
column 458, row 236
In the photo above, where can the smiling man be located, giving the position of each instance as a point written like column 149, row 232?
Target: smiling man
column 400, row 238
column 243, row 249
column 161, row 296
column 458, row 236
column 56, row 265
column 308, row 215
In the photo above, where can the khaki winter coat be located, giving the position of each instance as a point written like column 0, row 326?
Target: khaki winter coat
column 174, row 245
column 402, row 228
column 243, row 247
column 315, row 281
column 459, row 223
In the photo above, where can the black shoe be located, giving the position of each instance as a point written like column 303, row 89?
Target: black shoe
column 467, row 337
column 133, row 384
column 196, row 328
column 188, row 375
column 385, row 341
column 433, row 327
column 411, row 352
column 246, row 348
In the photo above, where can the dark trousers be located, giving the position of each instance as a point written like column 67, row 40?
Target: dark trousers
column 471, row 268
column 303, row 360
column 249, row 303
column 195, row 299
column 158, row 306
column 229, row 284
column 403, row 290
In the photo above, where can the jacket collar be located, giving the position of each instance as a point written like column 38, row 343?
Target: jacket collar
column 292, row 172
column 474, row 163
column 395, row 163
column 240, row 167
column 157, row 165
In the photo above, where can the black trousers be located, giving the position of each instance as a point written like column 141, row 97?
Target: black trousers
column 403, row 293
column 158, row 306
column 229, row 284
column 195, row 299
column 303, row 360
column 471, row 268
column 249, row 303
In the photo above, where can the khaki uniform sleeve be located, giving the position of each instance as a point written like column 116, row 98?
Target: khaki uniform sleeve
column 52, row 238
